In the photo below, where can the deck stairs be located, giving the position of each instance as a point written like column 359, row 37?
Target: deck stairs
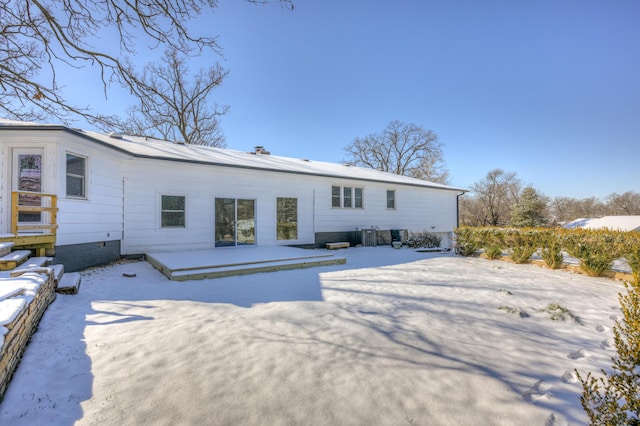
column 14, row 263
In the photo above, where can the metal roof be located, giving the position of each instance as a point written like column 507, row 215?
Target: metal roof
column 145, row 147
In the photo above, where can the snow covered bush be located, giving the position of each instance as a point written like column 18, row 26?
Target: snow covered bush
column 424, row 240
column 614, row 398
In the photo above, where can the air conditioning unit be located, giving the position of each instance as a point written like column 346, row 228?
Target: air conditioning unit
column 369, row 238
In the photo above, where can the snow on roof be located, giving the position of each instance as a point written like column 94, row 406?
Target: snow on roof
column 617, row 223
column 145, row 147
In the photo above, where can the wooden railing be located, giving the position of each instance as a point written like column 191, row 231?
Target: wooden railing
column 36, row 203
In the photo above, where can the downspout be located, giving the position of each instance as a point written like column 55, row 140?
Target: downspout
column 458, row 208
column 122, row 240
column 457, row 217
column 313, row 216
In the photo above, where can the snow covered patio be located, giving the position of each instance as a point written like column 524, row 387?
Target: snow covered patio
column 391, row 337
column 225, row 262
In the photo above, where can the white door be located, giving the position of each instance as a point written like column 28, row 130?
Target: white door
column 28, row 176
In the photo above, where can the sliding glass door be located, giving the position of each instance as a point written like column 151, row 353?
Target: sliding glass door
column 235, row 222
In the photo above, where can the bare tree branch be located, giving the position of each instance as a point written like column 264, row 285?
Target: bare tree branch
column 38, row 38
column 175, row 105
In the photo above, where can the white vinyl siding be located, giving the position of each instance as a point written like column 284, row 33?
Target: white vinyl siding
column 144, row 179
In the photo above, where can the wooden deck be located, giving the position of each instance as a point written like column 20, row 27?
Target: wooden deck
column 224, row 262
column 40, row 243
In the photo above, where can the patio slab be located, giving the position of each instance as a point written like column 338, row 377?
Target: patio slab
column 224, row 262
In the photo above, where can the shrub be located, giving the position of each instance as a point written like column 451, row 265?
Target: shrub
column 631, row 252
column 492, row 240
column 424, row 240
column 466, row 242
column 560, row 313
column 550, row 243
column 521, row 244
column 613, row 398
column 596, row 250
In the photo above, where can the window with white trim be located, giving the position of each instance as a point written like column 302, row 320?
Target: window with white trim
column 76, row 176
column 391, row 199
column 347, row 197
column 335, row 196
column 287, row 218
column 357, row 198
column 173, row 211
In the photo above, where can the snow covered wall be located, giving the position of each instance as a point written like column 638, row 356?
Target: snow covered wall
column 23, row 301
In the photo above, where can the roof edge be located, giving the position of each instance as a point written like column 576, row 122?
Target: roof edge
column 82, row 134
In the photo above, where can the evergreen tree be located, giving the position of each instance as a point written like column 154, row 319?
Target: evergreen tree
column 614, row 399
column 529, row 211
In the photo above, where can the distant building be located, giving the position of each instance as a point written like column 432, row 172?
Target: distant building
column 614, row 223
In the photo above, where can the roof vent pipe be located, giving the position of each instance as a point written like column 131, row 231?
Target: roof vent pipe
column 261, row 150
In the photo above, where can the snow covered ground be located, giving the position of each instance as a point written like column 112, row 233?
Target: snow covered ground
column 393, row 337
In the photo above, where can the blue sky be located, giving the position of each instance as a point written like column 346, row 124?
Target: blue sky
column 549, row 90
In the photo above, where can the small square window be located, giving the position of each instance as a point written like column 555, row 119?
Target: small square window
column 76, row 176
column 173, row 211
column 391, row 199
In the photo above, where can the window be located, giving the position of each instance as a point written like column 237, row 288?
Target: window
column 287, row 218
column 173, row 211
column 391, row 199
column 335, row 196
column 357, row 200
column 346, row 196
column 76, row 176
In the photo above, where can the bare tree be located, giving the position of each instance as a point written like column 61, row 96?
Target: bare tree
column 471, row 211
column 175, row 106
column 624, row 204
column 566, row 209
column 492, row 200
column 404, row 149
column 38, row 38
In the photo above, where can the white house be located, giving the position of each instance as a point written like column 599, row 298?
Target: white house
column 113, row 195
